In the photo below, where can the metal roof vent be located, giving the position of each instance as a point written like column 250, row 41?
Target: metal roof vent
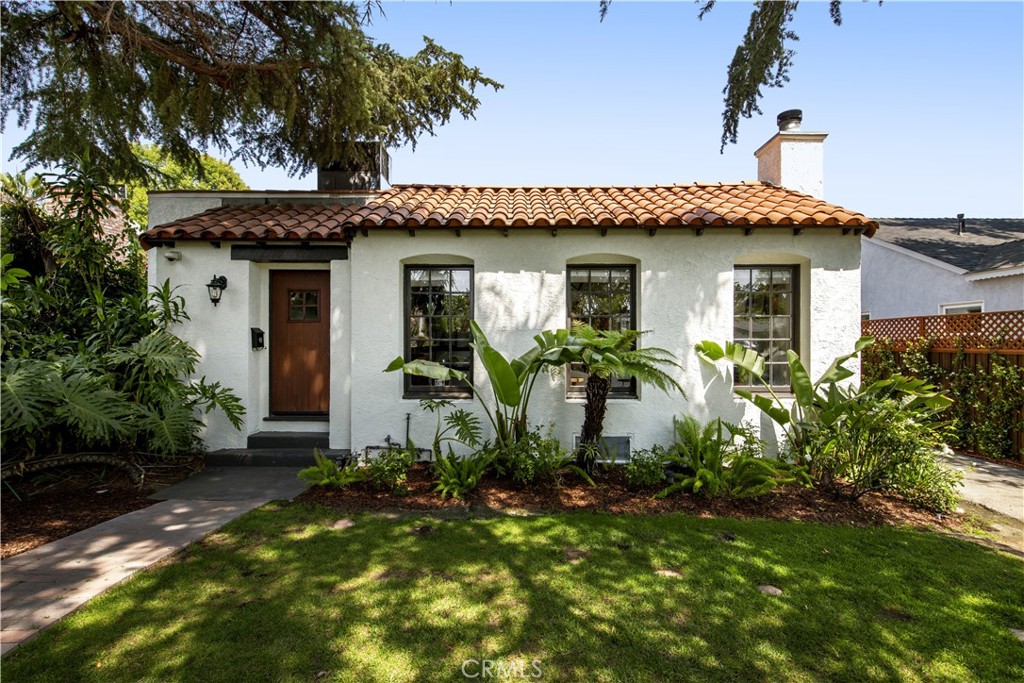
column 790, row 120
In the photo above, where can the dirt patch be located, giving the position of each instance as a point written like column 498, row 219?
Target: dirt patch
column 613, row 495
column 59, row 503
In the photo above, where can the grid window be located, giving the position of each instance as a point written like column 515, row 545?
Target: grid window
column 764, row 317
column 603, row 297
column 303, row 305
column 438, row 310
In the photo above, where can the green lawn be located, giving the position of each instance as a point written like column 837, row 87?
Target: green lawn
column 278, row 595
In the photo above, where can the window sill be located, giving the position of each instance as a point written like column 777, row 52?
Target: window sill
column 583, row 399
column 764, row 392
column 438, row 397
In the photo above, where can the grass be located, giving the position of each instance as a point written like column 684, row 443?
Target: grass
column 280, row 596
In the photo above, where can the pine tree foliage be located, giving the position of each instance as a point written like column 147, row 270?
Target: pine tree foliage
column 286, row 84
column 762, row 59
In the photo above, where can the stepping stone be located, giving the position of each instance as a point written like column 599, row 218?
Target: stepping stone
column 670, row 573
column 725, row 536
column 768, row 589
column 343, row 524
column 1019, row 633
column 576, row 555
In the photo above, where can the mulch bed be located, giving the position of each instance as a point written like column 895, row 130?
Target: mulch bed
column 57, row 504
column 613, row 496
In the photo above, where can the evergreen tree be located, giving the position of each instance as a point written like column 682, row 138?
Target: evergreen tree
column 287, row 84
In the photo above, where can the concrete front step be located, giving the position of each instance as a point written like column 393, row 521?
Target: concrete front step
column 269, row 457
column 288, row 440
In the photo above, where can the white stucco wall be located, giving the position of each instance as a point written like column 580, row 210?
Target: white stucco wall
column 221, row 334
column 685, row 295
column 897, row 285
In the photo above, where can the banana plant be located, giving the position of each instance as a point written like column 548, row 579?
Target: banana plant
column 817, row 402
column 511, row 381
column 803, row 414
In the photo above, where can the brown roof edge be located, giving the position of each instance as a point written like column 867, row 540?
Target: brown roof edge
column 411, row 207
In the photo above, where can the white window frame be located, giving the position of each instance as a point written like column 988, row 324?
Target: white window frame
column 944, row 308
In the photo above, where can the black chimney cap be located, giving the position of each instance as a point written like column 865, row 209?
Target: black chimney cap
column 789, row 115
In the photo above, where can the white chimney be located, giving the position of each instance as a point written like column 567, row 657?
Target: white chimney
column 793, row 158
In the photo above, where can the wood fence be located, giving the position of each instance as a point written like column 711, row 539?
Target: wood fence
column 1001, row 331
column 979, row 335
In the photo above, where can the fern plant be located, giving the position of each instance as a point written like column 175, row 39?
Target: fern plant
column 326, row 472
column 458, row 476
column 719, row 459
column 461, row 426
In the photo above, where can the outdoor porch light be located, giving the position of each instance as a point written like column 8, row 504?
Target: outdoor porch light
column 216, row 286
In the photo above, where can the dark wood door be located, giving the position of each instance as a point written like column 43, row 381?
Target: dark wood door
column 300, row 324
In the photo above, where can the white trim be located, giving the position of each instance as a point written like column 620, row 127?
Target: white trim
column 919, row 256
column 961, row 304
column 998, row 272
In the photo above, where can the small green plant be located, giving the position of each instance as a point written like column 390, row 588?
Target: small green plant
column 389, row 468
column 326, row 472
column 719, row 459
column 537, row 458
column 458, row 476
column 646, row 467
column 461, row 426
column 923, row 481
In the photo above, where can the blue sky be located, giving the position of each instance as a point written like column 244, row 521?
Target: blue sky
column 924, row 102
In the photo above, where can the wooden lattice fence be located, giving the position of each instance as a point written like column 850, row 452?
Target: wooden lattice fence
column 980, row 336
column 1001, row 331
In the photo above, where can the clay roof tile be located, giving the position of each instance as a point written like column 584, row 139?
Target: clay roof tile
column 411, row 206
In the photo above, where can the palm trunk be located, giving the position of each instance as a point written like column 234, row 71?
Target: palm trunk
column 594, row 410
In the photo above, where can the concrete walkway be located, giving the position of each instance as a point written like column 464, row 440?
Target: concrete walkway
column 996, row 487
column 42, row 585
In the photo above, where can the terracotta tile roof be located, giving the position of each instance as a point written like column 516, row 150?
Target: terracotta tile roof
column 408, row 207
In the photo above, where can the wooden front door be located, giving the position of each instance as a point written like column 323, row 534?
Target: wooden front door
column 300, row 323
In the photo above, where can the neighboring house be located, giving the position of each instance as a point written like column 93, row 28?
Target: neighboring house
column 932, row 266
column 340, row 283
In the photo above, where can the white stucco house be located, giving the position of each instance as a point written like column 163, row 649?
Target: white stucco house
column 325, row 288
column 940, row 266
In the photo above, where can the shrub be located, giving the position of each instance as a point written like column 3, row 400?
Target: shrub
column 646, row 467
column 389, row 469
column 89, row 360
column 875, row 439
column 326, row 472
column 923, row 481
column 458, row 476
column 537, row 458
column 988, row 402
column 710, row 460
